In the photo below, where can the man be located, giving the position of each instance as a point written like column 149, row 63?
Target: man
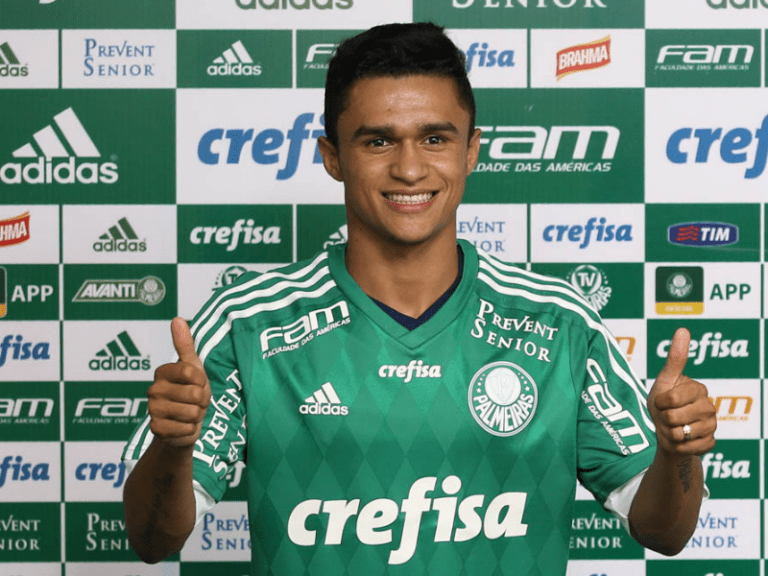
column 411, row 404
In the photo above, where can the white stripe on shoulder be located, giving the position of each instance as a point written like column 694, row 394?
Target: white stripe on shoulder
column 613, row 348
column 251, row 295
column 246, row 286
column 546, row 282
column 222, row 330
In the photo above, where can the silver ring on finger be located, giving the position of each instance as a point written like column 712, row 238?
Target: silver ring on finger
column 686, row 433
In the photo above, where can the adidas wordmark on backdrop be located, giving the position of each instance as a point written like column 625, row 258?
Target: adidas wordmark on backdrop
column 461, row 440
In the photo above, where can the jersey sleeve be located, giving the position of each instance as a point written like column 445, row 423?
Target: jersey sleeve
column 616, row 438
column 222, row 439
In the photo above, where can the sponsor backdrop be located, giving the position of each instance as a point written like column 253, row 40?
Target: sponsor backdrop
column 152, row 151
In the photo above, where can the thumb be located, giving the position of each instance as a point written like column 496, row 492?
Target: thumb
column 676, row 357
column 183, row 342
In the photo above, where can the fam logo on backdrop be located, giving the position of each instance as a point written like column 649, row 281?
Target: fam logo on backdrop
column 66, row 138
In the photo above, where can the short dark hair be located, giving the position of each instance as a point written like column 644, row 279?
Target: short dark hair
column 394, row 50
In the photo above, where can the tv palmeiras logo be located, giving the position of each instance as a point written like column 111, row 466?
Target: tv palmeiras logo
column 503, row 398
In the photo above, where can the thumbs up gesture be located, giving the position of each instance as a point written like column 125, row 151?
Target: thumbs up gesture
column 685, row 419
column 180, row 394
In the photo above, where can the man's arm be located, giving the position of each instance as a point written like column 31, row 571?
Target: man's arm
column 666, row 507
column 158, row 499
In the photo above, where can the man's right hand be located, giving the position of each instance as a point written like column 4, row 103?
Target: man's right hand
column 180, row 394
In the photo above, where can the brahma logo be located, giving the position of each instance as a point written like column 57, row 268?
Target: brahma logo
column 265, row 145
column 732, row 146
column 582, row 57
column 14, row 230
column 503, row 398
column 703, row 234
column 50, row 147
column 503, row 518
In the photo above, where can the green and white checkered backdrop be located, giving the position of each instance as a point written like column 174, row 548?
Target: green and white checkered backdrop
column 152, row 150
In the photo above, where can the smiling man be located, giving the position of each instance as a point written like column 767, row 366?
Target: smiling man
column 404, row 403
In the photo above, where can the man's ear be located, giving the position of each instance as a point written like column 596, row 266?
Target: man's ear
column 330, row 157
column 473, row 150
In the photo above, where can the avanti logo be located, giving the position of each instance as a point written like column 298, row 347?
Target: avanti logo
column 51, row 146
column 9, row 63
column 230, row 236
column 592, row 283
column 324, row 401
column 21, row 350
column 582, row 57
column 488, row 58
column 721, row 468
column 120, row 238
column 583, row 234
column 711, row 345
column 16, row 470
column 14, row 230
column 150, row 290
column 294, row 4
column 535, row 143
column 120, row 354
column 703, row 234
column 502, row 518
column 234, row 61
column 265, row 145
column 732, row 146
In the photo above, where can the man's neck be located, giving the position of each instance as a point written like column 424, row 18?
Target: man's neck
column 406, row 277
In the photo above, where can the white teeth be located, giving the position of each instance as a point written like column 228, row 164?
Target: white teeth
column 410, row 198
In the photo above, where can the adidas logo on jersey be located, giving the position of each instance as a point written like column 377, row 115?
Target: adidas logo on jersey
column 234, row 61
column 120, row 238
column 339, row 237
column 50, row 143
column 9, row 63
column 324, row 401
column 120, row 354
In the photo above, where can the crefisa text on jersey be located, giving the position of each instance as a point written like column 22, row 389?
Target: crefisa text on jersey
column 525, row 324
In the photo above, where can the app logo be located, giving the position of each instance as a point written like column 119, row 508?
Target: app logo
column 583, row 234
column 9, row 63
column 21, row 350
column 525, row 143
column 582, row 57
column 120, row 354
column 716, row 467
column 50, row 144
column 324, row 401
column 98, row 59
column 303, row 330
column 480, row 55
column 230, row 236
column 228, row 275
column 711, row 345
column 294, row 4
column 16, row 470
column 339, row 237
column 14, row 230
column 322, row 52
column 120, row 238
column 264, row 145
column 679, row 290
column 502, row 518
column 732, row 408
column 3, row 292
column 703, row 234
column 592, row 283
column 503, row 398
column 234, row 61
column 705, row 57
column 150, row 290
column 732, row 146
column 737, row 4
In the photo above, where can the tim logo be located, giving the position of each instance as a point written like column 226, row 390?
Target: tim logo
column 704, row 234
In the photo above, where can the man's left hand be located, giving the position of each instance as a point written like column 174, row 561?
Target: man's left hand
column 685, row 418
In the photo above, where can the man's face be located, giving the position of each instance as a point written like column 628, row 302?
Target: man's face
column 404, row 153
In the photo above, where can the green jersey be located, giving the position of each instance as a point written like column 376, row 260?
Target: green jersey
column 453, row 448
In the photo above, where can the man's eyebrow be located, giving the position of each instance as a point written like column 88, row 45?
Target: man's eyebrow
column 389, row 130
